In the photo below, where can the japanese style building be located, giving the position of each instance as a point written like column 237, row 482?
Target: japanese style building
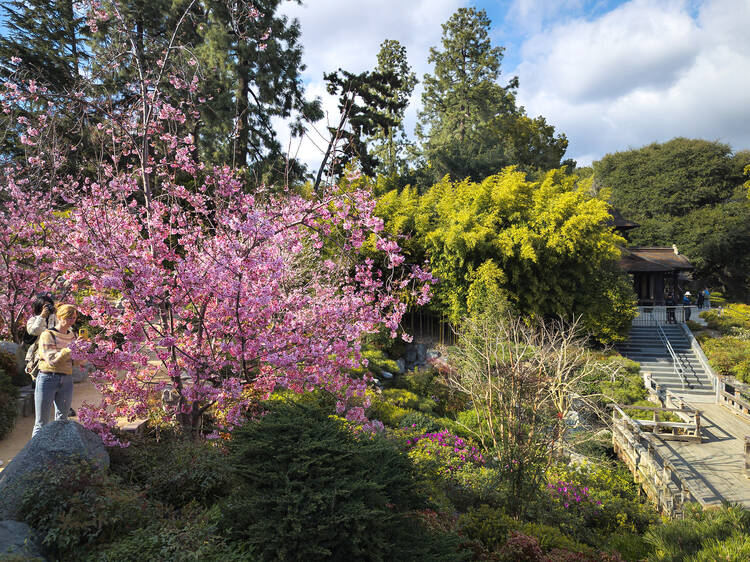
column 656, row 272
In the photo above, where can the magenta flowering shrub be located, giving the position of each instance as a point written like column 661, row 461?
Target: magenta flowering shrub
column 570, row 495
column 449, row 452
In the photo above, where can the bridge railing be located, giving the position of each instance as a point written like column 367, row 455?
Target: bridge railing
column 677, row 365
column 657, row 315
column 689, row 429
column 703, row 360
column 658, row 477
column 730, row 395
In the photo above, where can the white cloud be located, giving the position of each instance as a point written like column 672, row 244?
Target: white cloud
column 646, row 71
column 347, row 34
column 532, row 15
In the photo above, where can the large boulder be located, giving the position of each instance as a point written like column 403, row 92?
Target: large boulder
column 56, row 444
column 18, row 540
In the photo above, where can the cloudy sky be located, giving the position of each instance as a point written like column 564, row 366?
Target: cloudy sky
column 610, row 74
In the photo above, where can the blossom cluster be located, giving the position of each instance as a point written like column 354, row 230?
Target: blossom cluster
column 198, row 286
column 570, row 494
column 451, row 451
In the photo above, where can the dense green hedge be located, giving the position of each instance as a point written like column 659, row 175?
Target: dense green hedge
column 311, row 489
column 8, row 394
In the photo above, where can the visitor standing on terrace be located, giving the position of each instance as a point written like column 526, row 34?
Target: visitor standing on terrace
column 686, row 304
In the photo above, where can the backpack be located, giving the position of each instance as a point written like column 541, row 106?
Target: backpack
column 32, row 356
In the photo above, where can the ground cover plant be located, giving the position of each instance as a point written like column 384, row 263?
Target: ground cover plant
column 728, row 347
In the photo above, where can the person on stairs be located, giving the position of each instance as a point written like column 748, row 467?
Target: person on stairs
column 54, row 384
column 671, row 308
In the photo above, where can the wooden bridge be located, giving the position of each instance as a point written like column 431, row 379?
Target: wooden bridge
column 705, row 457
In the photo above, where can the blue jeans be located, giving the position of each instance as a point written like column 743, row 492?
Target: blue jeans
column 52, row 387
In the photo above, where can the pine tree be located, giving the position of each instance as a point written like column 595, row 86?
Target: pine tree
column 44, row 39
column 368, row 102
column 389, row 143
column 470, row 126
column 254, row 67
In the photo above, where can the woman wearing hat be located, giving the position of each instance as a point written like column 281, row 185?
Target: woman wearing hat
column 686, row 303
column 54, row 384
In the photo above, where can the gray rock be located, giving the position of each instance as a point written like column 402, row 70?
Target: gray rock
column 57, row 443
column 433, row 354
column 421, row 353
column 401, row 366
column 386, row 375
column 410, row 355
column 17, row 351
column 9, row 347
column 18, row 539
column 82, row 372
column 572, row 419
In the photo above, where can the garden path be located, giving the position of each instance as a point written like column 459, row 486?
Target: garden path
column 13, row 443
column 714, row 468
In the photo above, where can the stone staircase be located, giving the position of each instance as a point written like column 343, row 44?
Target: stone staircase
column 645, row 347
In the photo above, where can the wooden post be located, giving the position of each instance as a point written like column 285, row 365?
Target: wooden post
column 666, row 474
column 697, row 424
column 685, row 493
column 747, row 456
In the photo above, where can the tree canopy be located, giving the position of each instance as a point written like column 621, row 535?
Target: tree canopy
column 542, row 245
column 686, row 192
column 470, row 126
column 389, row 143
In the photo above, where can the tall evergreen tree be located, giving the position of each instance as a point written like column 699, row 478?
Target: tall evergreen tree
column 368, row 103
column 250, row 63
column 388, row 144
column 687, row 192
column 253, row 67
column 470, row 126
column 45, row 39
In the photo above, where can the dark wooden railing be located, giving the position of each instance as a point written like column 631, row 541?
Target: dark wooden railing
column 657, row 476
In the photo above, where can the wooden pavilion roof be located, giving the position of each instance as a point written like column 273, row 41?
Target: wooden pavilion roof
column 653, row 260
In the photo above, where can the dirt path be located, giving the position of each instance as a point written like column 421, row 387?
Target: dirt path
column 13, row 443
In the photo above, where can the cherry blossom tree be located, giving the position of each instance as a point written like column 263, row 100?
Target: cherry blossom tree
column 195, row 283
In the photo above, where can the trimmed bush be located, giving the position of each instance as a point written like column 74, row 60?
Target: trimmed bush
column 715, row 530
column 77, row 506
column 8, row 403
column 175, row 471
column 388, row 413
column 729, row 356
column 419, row 422
column 488, row 525
column 312, row 489
column 192, row 537
column 733, row 319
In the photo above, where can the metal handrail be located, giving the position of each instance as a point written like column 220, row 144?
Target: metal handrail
column 703, row 360
column 676, row 361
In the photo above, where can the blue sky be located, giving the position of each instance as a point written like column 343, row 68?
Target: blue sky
column 611, row 75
